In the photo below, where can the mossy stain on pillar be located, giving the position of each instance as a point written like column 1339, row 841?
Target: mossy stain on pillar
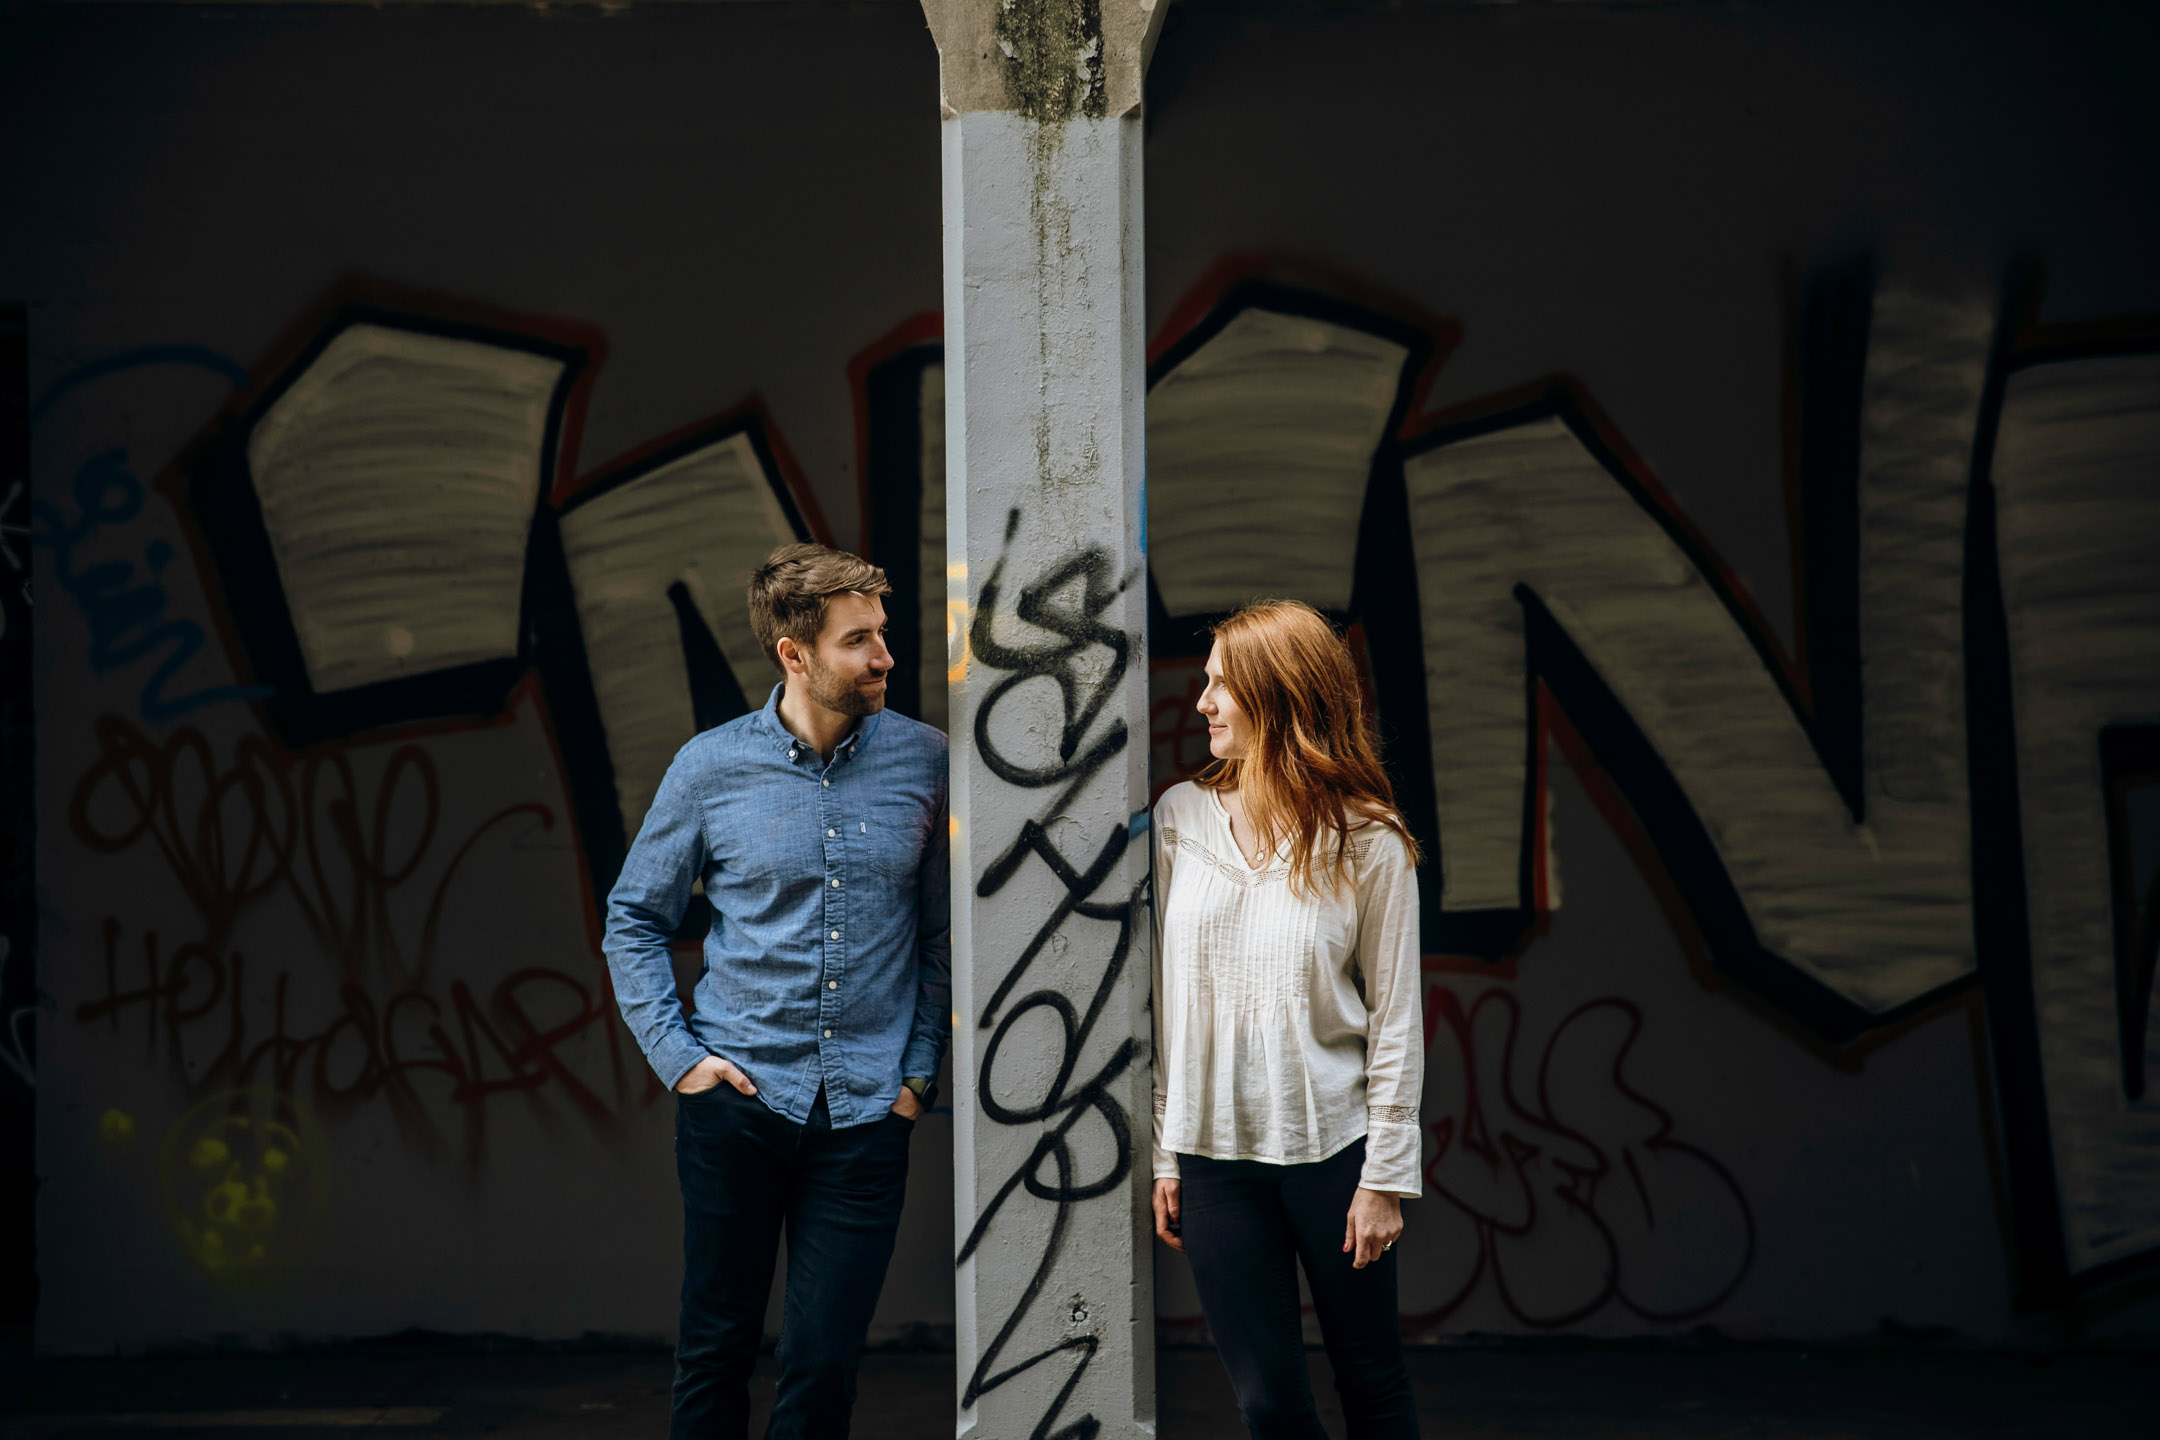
column 1054, row 58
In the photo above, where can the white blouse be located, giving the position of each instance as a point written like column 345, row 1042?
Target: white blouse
column 1285, row 1027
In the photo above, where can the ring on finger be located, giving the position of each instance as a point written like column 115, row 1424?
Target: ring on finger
column 1389, row 1246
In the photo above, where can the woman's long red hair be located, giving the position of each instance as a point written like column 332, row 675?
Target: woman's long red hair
column 1311, row 770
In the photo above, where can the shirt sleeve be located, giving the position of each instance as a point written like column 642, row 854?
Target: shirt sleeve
column 644, row 910
column 1159, row 852
column 1388, row 957
column 933, row 950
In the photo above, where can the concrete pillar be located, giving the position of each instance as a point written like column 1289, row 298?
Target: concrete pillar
column 1045, row 379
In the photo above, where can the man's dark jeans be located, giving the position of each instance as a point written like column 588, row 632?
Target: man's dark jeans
column 745, row 1172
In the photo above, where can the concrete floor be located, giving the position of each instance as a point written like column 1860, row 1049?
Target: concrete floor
column 1464, row 1394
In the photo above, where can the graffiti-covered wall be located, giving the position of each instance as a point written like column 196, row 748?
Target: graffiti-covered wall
column 1739, row 408
column 1729, row 440
column 404, row 423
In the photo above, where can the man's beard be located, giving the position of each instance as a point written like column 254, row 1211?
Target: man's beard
column 841, row 696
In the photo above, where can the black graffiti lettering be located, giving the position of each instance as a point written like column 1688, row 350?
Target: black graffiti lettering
column 1067, row 603
column 1035, row 840
column 1079, row 627
column 1087, row 1426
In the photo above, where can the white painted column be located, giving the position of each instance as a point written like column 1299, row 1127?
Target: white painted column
column 1045, row 381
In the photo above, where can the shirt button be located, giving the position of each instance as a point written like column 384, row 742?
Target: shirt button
column 836, row 934
column 829, row 834
column 826, row 783
column 828, row 1034
column 832, row 984
column 791, row 754
column 835, row 883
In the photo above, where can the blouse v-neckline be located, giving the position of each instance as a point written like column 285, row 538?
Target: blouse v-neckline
column 1222, row 813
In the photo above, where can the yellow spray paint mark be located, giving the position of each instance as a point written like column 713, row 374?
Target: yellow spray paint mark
column 115, row 1126
column 956, row 642
column 956, row 622
column 245, row 1175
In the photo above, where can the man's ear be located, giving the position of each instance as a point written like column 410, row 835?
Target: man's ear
column 791, row 656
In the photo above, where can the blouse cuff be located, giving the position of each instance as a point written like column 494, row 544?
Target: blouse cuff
column 1166, row 1166
column 1392, row 1151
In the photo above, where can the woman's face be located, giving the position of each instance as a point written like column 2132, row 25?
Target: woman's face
column 1229, row 729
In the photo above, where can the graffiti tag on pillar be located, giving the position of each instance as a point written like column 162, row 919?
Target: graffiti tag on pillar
column 1066, row 602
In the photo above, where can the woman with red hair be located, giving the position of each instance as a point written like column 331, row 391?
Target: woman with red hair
column 1289, row 1044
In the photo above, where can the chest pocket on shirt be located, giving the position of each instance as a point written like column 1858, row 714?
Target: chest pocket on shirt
column 895, row 837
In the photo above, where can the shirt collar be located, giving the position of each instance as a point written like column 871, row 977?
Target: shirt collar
column 774, row 730
column 784, row 739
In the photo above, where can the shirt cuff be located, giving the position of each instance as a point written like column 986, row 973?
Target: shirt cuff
column 675, row 1057
column 1392, row 1152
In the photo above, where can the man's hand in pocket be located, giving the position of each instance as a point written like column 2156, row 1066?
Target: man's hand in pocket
column 712, row 1071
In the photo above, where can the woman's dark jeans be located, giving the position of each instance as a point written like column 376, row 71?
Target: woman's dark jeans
column 745, row 1173
column 1246, row 1226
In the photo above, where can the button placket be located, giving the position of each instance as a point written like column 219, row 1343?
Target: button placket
column 834, row 909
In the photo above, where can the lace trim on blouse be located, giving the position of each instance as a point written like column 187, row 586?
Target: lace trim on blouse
column 1391, row 1114
column 1276, row 869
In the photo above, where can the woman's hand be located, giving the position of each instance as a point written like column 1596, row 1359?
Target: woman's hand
column 1167, row 1211
column 1375, row 1220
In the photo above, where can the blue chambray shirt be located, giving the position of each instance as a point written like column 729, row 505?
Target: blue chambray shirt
column 829, row 960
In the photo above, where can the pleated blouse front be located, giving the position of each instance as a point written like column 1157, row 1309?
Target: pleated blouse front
column 1286, row 1026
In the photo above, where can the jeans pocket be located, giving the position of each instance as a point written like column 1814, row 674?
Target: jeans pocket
column 708, row 1095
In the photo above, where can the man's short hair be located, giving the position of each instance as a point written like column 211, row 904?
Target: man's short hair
column 791, row 592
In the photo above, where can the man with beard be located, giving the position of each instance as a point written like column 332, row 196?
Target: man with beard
column 816, row 827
